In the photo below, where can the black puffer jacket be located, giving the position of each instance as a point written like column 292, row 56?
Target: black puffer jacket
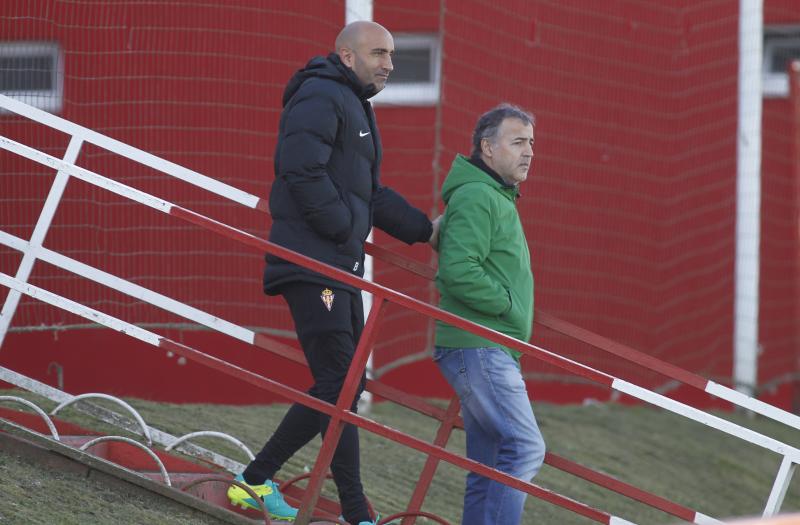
column 327, row 188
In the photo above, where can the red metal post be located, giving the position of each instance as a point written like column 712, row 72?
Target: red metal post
column 426, row 309
column 336, row 425
column 379, row 429
column 341, row 415
column 451, row 420
column 426, row 477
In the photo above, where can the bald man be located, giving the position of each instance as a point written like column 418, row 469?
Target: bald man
column 325, row 199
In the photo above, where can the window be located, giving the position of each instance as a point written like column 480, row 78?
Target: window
column 415, row 79
column 32, row 72
column 781, row 46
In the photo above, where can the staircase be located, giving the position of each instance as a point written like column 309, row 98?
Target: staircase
column 200, row 485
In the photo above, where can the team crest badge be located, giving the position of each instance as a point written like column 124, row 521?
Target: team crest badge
column 327, row 296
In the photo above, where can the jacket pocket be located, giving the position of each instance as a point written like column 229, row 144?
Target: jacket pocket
column 513, row 316
column 359, row 212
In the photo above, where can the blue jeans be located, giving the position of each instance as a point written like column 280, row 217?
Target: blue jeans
column 500, row 427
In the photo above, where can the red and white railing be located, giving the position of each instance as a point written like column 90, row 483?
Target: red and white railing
column 33, row 249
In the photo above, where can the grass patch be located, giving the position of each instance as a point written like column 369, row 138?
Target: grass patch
column 670, row 456
column 33, row 496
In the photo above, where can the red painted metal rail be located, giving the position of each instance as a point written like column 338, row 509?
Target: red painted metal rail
column 449, row 418
column 561, row 326
column 341, row 416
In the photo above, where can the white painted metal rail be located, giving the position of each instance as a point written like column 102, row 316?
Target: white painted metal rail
column 33, row 249
column 81, row 134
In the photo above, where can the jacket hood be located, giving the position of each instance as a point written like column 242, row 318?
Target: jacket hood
column 463, row 172
column 330, row 67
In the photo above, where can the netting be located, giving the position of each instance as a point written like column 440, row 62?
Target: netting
column 198, row 84
column 629, row 210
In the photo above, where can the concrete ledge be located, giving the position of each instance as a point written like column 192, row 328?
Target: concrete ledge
column 52, row 454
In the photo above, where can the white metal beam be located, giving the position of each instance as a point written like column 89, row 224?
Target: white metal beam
column 38, row 235
column 748, row 197
column 355, row 10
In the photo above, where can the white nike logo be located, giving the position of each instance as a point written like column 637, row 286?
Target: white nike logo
column 362, row 134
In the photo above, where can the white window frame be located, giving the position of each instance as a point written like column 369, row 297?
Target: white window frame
column 414, row 93
column 48, row 100
column 776, row 85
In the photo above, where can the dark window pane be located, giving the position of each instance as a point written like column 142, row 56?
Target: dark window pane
column 411, row 65
column 26, row 73
column 781, row 56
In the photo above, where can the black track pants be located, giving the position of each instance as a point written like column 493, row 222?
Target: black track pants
column 329, row 338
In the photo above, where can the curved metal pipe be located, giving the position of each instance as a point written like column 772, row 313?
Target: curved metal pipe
column 38, row 410
column 134, row 443
column 145, row 429
column 212, row 433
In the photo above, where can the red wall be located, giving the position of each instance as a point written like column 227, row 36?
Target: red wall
column 779, row 329
column 629, row 212
column 200, row 86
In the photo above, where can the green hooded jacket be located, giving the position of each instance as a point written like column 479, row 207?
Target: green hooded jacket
column 484, row 264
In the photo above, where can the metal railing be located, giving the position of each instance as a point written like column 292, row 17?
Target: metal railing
column 33, row 250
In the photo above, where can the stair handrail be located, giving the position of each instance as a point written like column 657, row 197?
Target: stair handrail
column 256, row 203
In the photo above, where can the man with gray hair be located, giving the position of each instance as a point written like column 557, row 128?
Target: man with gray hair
column 485, row 276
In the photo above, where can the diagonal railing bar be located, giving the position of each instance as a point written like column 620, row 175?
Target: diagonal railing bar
column 288, row 352
column 251, row 201
column 211, row 321
column 132, row 153
column 132, row 289
column 283, row 253
column 535, row 351
column 298, row 396
column 618, row 349
column 428, row 310
column 790, row 454
column 396, row 297
column 669, row 370
column 401, row 261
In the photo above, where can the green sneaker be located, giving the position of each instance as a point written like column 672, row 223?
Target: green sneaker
column 377, row 519
column 273, row 500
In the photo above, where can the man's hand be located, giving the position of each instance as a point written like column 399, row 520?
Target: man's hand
column 434, row 240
